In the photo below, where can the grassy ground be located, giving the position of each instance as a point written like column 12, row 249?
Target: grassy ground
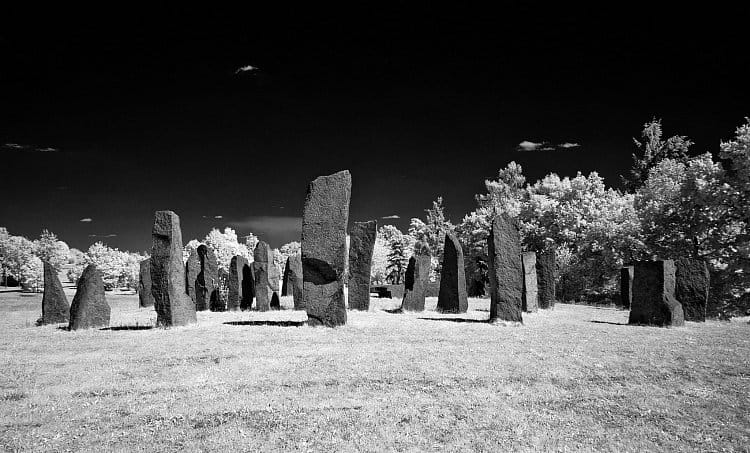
column 572, row 378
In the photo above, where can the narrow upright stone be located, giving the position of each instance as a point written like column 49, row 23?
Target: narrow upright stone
column 529, row 296
column 295, row 282
column 415, row 282
column 235, row 282
column 55, row 306
column 207, row 295
column 171, row 301
column 89, row 308
column 692, row 286
column 361, row 246
column 145, row 298
column 505, row 270
column 654, row 300
column 192, row 269
column 324, row 221
column 626, row 286
column 266, row 272
column 248, row 287
column 452, row 297
column 545, row 277
column 286, row 287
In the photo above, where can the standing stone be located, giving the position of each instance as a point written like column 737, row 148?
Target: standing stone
column 626, row 286
column 266, row 273
column 248, row 287
column 294, row 282
column 452, row 297
column 324, row 221
column 415, row 282
column 145, row 298
column 192, row 269
column 361, row 246
column 89, row 308
column 654, row 300
column 506, row 273
column 529, row 296
column 286, row 288
column 692, row 285
column 274, row 278
column 55, row 306
column 235, row 282
column 207, row 295
column 171, row 301
column 545, row 277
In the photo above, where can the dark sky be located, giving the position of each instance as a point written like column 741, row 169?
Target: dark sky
column 146, row 113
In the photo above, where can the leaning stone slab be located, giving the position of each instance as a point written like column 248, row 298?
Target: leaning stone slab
column 529, row 296
column 171, row 301
column 505, row 270
column 545, row 277
column 89, row 308
column 654, row 300
column 145, row 298
column 626, row 286
column 692, row 287
column 55, row 308
column 324, row 257
column 361, row 245
column 452, row 297
column 415, row 282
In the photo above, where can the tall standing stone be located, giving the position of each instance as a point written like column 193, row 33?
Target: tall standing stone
column 452, row 297
column 545, row 277
column 692, row 287
column 294, row 281
column 415, row 282
column 529, row 296
column 171, row 301
column 506, row 273
column 324, row 221
column 361, row 246
column 626, row 286
column 89, row 308
column 192, row 269
column 654, row 300
column 207, row 295
column 145, row 298
column 248, row 287
column 266, row 278
column 236, row 283
column 55, row 308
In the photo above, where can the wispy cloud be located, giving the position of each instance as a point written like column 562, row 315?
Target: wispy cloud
column 218, row 217
column 528, row 145
column 28, row 148
column 102, row 235
column 269, row 223
column 47, row 150
column 213, row 216
column 392, row 216
column 86, row 219
column 567, row 145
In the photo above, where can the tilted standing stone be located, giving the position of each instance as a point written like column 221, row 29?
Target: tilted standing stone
column 529, row 296
column 172, row 303
column 192, row 269
column 505, row 270
column 692, row 286
column 415, row 282
column 238, row 283
column 626, row 286
column 89, row 308
column 55, row 306
column 361, row 246
column 324, row 221
column 654, row 300
column 266, row 272
column 452, row 297
column 294, row 280
column 145, row 298
column 545, row 277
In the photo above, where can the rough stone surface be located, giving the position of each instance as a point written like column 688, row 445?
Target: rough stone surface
column 295, row 281
column 171, row 301
column 55, row 308
column 248, row 287
column 266, row 273
column 432, row 289
column 192, row 269
column 692, row 287
column 89, row 308
column 545, row 277
column 415, row 284
column 361, row 246
column 236, row 283
column 505, row 270
column 626, row 286
column 145, row 298
column 286, row 288
column 654, row 300
column 452, row 297
column 529, row 296
column 207, row 295
column 324, row 257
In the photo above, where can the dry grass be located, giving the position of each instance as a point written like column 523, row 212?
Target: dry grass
column 574, row 378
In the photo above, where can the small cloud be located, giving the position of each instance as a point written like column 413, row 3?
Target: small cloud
column 13, row 146
column 110, row 236
column 86, row 219
column 529, row 146
column 567, row 145
column 47, row 150
column 247, row 68
column 29, row 148
column 218, row 217
column 102, row 235
column 393, row 216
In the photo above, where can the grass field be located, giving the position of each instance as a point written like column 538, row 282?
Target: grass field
column 572, row 378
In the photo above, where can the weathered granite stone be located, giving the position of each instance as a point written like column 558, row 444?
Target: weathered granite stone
column 691, row 287
column 235, row 282
column 55, row 308
column 248, row 287
column 295, row 281
column 286, row 287
column 432, row 289
column 192, row 269
column 145, row 298
column 89, row 308
column 266, row 273
column 361, row 246
column 452, row 297
column 505, row 270
column 207, row 295
column 529, row 298
column 416, row 280
column 545, row 277
column 324, row 221
column 171, row 301
column 654, row 300
column 626, row 286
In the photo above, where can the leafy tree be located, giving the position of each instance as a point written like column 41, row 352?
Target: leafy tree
column 473, row 232
column 380, row 252
column 32, row 274
column 397, row 260
column 652, row 150
column 225, row 245
column 432, row 231
column 48, row 248
column 505, row 194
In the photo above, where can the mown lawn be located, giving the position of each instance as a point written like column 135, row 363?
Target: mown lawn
column 572, row 378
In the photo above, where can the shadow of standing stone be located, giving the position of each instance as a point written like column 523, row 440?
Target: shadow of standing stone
column 626, row 286
column 172, row 304
column 654, row 301
column 324, row 257
column 89, row 308
column 505, row 270
column 545, row 277
column 145, row 298
column 361, row 246
column 529, row 300
column 55, row 308
column 452, row 297
column 692, row 287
